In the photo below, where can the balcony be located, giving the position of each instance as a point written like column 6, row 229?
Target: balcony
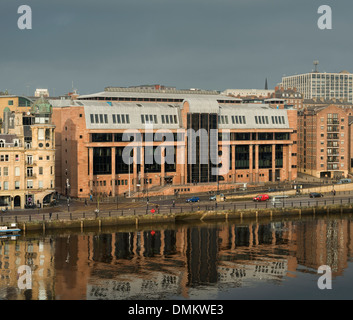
column 332, row 121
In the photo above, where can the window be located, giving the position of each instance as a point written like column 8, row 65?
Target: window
column 4, row 157
column 40, row 134
column 5, row 171
column 40, row 170
column 142, row 118
column 6, row 185
column 40, row 184
column 29, row 184
column 29, row 159
column 17, row 185
column 17, row 171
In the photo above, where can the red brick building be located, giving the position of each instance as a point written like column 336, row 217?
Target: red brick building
column 256, row 144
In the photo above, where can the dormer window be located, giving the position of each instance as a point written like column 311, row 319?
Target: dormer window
column 2, row 144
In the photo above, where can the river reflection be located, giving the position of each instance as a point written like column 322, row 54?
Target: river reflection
column 211, row 261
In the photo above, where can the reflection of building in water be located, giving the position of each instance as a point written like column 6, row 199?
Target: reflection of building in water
column 37, row 254
column 324, row 242
column 171, row 263
column 158, row 285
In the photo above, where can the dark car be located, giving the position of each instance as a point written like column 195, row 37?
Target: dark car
column 193, row 199
column 30, row 206
column 316, row 195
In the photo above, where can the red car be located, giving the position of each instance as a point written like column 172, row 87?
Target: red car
column 262, row 197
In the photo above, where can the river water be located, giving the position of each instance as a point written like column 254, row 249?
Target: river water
column 259, row 259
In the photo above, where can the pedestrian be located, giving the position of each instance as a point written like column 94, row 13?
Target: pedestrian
column 173, row 203
column 91, row 197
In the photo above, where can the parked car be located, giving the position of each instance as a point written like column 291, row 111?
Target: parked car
column 315, row 195
column 193, row 199
column 272, row 189
column 261, row 197
column 344, row 181
column 30, row 206
column 214, row 197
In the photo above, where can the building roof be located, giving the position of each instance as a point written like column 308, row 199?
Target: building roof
column 157, row 94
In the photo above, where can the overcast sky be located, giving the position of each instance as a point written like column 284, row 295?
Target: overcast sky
column 218, row 44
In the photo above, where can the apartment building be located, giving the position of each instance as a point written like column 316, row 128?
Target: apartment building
column 323, row 141
column 27, row 156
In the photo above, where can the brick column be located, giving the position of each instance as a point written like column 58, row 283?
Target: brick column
column 273, row 163
column 90, row 170
column 256, row 163
column 135, row 176
column 251, row 163
column 233, row 163
column 113, row 171
column 142, row 171
column 162, row 165
column 290, row 162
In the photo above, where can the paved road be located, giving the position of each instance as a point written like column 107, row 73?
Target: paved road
column 78, row 209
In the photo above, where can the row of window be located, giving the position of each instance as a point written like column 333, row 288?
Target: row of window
column 121, row 118
column 4, row 171
column 125, row 118
column 275, row 120
column 5, row 185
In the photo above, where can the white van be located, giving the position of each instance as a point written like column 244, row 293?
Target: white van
column 279, row 200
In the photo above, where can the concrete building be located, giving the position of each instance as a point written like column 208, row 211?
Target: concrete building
column 41, row 93
column 322, row 85
column 27, row 156
column 256, row 143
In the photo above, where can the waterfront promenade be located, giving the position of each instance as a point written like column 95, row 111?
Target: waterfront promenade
column 83, row 215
